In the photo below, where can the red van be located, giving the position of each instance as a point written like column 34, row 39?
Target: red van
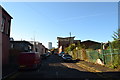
column 29, row 60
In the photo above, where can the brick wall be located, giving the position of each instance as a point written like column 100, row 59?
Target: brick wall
column 5, row 49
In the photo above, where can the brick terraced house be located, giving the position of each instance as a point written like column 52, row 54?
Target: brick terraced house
column 5, row 24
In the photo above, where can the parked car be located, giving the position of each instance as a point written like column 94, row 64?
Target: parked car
column 43, row 56
column 29, row 60
column 47, row 54
column 60, row 54
column 56, row 53
column 67, row 57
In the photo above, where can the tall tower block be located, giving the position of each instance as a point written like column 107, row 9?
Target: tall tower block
column 49, row 45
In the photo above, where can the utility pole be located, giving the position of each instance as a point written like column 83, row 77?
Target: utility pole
column 70, row 37
column 70, row 34
column 34, row 43
column 119, row 16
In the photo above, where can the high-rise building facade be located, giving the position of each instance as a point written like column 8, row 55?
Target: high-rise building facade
column 49, row 45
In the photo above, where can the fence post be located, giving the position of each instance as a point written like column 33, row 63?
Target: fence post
column 110, row 50
column 102, row 50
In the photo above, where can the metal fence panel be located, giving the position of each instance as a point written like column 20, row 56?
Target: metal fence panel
column 106, row 56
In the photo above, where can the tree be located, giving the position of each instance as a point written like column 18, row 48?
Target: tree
column 116, row 42
column 80, row 46
column 70, row 48
column 116, row 35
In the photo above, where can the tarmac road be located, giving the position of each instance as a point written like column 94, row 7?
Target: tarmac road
column 55, row 68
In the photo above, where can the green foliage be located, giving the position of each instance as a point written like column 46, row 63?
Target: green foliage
column 114, row 66
column 71, row 47
column 80, row 46
column 116, row 44
column 116, row 35
column 116, row 61
column 67, row 49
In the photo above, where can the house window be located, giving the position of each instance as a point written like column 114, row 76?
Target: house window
column 2, row 24
column 36, row 49
column 30, row 48
column 26, row 48
column 8, row 27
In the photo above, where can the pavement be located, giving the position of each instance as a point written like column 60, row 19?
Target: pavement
column 8, row 70
column 95, row 67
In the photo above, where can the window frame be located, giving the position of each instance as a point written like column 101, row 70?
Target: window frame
column 2, row 29
column 8, row 27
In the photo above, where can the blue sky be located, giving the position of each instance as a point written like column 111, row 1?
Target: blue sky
column 48, row 20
